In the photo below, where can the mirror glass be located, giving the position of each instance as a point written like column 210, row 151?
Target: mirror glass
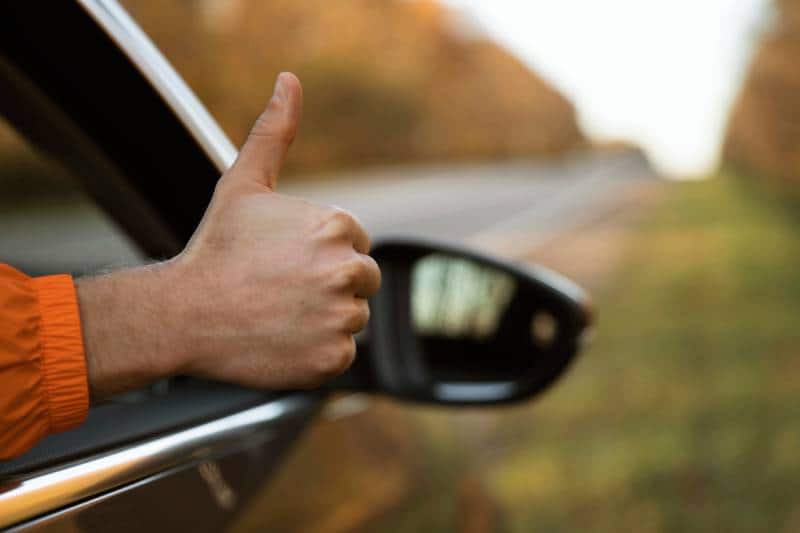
column 474, row 322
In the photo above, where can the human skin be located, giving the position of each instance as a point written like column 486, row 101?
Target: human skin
column 267, row 293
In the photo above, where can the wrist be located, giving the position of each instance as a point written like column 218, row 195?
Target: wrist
column 129, row 324
column 173, row 347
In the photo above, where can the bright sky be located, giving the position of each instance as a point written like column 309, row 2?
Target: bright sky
column 662, row 74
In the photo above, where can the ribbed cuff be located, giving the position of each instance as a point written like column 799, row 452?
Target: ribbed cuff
column 64, row 367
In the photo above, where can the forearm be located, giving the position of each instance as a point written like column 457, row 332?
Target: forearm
column 130, row 328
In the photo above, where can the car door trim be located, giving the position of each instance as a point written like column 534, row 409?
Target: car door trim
column 119, row 26
column 26, row 498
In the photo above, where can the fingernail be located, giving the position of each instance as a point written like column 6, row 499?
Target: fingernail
column 280, row 90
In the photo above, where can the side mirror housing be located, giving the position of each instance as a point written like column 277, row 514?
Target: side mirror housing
column 454, row 326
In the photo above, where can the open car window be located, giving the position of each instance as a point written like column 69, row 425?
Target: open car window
column 50, row 224
column 120, row 133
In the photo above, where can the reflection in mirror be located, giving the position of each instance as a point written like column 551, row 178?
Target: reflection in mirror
column 456, row 297
column 474, row 322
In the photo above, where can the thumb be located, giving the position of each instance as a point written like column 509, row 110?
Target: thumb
column 262, row 155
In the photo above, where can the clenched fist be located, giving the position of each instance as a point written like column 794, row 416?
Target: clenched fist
column 268, row 293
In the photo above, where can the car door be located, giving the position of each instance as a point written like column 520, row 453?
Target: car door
column 82, row 83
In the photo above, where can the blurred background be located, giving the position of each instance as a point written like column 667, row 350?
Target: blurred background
column 648, row 150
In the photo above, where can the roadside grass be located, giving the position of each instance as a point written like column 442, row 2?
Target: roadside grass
column 684, row 415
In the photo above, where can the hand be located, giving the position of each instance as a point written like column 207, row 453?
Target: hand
column 268, row 293
column 283, row 282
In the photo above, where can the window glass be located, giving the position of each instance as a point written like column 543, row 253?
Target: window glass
column 48, row 224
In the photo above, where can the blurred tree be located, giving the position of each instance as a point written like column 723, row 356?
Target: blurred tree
column 764, row 132
column 385, row 80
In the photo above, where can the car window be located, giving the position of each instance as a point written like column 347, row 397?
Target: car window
column 49, row 223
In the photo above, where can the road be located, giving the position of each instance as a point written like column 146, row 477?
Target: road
column 508, row 208
column 503, row 207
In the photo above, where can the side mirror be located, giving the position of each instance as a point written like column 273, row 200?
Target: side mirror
column 453, row 326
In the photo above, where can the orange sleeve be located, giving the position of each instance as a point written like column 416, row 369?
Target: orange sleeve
column 43, row 387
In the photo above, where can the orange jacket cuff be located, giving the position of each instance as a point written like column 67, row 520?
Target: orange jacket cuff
column 64, row 362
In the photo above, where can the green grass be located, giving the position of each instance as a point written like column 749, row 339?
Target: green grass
column 685, row 413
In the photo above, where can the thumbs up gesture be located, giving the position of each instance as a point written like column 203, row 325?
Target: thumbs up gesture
column 275, row 286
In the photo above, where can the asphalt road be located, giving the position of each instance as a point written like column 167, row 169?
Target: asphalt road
column 508, row 208
column 504, row 207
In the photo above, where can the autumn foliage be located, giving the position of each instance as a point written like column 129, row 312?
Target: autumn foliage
column 764, row 131
column 385, row 80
